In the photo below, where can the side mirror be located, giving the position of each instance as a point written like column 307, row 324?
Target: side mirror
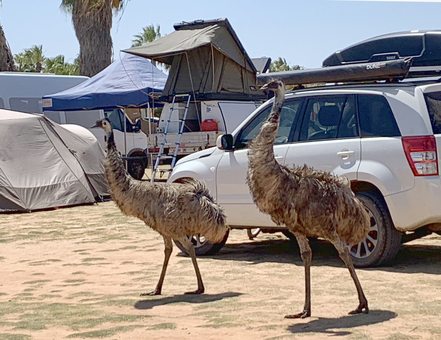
column 225, row 142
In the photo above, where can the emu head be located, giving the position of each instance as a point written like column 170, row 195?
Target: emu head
column 105, row 125
column 275, row 85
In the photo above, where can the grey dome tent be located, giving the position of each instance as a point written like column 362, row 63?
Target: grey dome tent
column 43, row 165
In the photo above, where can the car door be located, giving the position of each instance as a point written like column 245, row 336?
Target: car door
column 232, row 190
column 328, row 136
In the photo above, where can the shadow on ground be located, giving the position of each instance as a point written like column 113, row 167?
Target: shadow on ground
column 340, row 326
column 412, row 257
column 203, row 298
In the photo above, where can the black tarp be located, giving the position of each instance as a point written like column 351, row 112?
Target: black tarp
column 207, row 60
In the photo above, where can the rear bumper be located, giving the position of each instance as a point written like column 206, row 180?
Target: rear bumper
column 417, row 207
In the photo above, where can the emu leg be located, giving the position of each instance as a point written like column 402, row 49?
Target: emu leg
column 190, row 250
column 306, row 254
column 167, row 252
column 346, row 257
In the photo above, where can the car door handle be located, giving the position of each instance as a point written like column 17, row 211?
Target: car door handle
column 345, row 153
column 279, row 158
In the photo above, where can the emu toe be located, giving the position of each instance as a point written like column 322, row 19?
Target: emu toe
column 302, row 315
column 362, row 308
column 152, row 293
column 197, row 291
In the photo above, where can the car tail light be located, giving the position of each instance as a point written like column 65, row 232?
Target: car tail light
column 421, row 155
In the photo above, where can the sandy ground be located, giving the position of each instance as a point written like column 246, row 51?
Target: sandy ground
column 77, row 273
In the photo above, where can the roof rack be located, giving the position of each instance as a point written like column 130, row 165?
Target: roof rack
column 393, row 70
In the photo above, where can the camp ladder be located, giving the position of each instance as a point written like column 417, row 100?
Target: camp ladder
column 164, row 137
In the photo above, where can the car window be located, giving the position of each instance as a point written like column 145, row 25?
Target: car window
column 433, row 101
column 322, row 118
column 22, row 104
column 376, row 117
column 289, row 112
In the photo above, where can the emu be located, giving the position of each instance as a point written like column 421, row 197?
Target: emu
column 173, row 210
column 309, row 202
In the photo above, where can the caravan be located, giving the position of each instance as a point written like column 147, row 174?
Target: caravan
column 23, row 91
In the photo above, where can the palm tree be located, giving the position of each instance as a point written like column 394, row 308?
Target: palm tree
column 148, row 34
column 92, row 20
column 31, row 60
column 58, row 65
column 6, row 59
column 280, row 65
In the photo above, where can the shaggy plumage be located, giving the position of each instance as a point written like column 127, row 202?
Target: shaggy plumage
column 309, row 202
column 174, row 210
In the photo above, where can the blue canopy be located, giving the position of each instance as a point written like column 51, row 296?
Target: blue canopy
column 126, row 82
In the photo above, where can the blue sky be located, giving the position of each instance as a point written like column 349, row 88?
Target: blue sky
column 302, row 32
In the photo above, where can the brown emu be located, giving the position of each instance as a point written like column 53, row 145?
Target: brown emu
column 173, row 210
column 310, row 203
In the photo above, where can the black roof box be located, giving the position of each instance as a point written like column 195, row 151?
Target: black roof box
column 423, row 46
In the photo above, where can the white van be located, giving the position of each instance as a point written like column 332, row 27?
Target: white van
column 23, row 91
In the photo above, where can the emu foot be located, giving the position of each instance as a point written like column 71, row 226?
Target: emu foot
column 301, row 315
column 362, row 308
column 157, row 291
column 197, row 291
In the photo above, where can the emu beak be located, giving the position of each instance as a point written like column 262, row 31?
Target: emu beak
column 95, row 126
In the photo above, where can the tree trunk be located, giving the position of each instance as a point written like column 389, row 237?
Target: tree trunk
column 92, row 22
column 6, row 59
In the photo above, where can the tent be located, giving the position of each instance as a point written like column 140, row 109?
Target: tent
column 207, row 60
column 126, row 82
column 43, row 165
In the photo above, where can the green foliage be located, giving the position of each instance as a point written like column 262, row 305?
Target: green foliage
column 33, row 60
column 281, row 65
column 148, row 34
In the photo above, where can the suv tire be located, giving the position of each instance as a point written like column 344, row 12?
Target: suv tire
column 203, row 247
column 383, row 241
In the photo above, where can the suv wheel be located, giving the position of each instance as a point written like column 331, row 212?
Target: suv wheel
column 383, row 240
column 203, row 247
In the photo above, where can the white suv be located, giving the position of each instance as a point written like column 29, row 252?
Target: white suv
column 383, row 137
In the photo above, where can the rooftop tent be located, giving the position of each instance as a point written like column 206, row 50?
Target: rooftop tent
column 207, row 59
column 126, row 82
column 423, row 46
column 43, row 165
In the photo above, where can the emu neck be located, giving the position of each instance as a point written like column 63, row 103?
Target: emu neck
column 262, row 146
column 264, row 172
column 117, row 177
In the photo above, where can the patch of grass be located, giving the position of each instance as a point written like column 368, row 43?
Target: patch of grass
column 104, row 333
column 165, row 325
column 10, row 336
column 43, row 263
column 33, row 316
column 36, row 282
column 75, row 281
column 92, row 259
